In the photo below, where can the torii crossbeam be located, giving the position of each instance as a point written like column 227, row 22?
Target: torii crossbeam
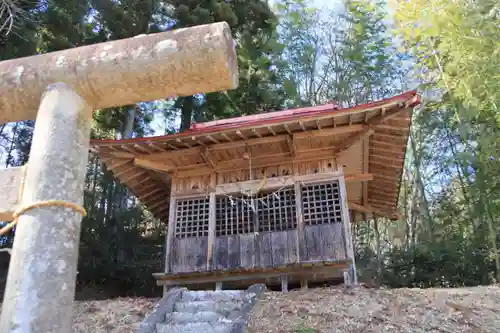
column 60, row 90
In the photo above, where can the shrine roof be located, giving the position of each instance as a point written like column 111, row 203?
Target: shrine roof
column 410, row 99
column 146, row 165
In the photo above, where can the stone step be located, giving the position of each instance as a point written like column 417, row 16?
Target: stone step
column 197, row 317
column 212, row 306
column 194, row 328
column 222, row 296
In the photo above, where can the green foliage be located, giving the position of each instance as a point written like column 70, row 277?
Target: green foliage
column 345, row 56
column 253, row 25
column 300, row 55
column 374, row 65
column 305, row 330
column 21, row 39
column 450, row 262
column 116, row 225
column 115, row 220
column 299, row 34
column 450, row 230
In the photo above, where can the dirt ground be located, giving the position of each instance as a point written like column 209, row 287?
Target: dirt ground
column 362, row 310
column 330, row 310
column 121, row 315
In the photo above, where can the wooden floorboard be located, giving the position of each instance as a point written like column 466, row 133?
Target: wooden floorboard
column 311, row 271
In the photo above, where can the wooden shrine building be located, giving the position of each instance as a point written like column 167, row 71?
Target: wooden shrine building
column 267, row 197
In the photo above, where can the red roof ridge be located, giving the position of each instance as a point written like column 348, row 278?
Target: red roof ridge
column 411, row 97
column 267, row 115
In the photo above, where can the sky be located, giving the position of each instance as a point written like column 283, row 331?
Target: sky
column 319, row 3
column 158, row 122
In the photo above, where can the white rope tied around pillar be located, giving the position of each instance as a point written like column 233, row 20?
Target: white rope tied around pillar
column 6, row 249
column 38, row 204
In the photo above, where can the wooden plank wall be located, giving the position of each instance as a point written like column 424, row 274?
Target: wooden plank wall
column 265, row 249
column 201, row 184
column 324, row 242
column 189, row 254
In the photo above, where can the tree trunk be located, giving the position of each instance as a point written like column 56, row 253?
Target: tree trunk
column 378, row 249
column 120, row 195
column 95, row 172
column 420, row 186
column 128, row 127
column 187, row 112
column 109, row 199
column 492, row 233
column 8, row 160
column 105, row 188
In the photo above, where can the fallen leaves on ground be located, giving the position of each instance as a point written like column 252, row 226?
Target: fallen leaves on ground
column 121, row 315
column 329, row 310
column 361, row 310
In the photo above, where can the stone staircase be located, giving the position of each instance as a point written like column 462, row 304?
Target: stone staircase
column 185, row 311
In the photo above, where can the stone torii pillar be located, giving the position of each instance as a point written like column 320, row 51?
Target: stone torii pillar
column 65, row 87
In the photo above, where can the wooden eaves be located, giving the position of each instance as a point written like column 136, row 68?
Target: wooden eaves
column 145, row 165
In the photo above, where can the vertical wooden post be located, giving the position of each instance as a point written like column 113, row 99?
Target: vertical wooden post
column 347, row 279
column 304, row 284
column 211, row 221
column 257, row 237
column 41, row 280
column 211, row 232
column 170, row 235
column 284, row 283
column 347, row 229
column 170, row 232
column 300, row 221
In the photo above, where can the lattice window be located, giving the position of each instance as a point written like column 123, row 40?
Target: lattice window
column 276, row 211
column 233, row 216
column 192, row 217
column 321, row 203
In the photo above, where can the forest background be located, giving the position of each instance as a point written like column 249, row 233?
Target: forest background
column 294, row 53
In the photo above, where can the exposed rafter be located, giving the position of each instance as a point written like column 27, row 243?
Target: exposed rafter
column 135, row 175
column 353, row 139
column 116, row 163
column 153, row 165
column 124, row 171
column 207, row 158
column 371, row 210
column 241, row 143
column 362, row 177
column 291, row 146
column 311, row 143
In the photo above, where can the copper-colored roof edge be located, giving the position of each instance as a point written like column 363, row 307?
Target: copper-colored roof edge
column 419, row 99
column 415, row 100
column 410, row 98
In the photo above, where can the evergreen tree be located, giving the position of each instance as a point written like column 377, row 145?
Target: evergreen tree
column 371, row 63
column 344, row 55
column 303, row 46
column 253, row 25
